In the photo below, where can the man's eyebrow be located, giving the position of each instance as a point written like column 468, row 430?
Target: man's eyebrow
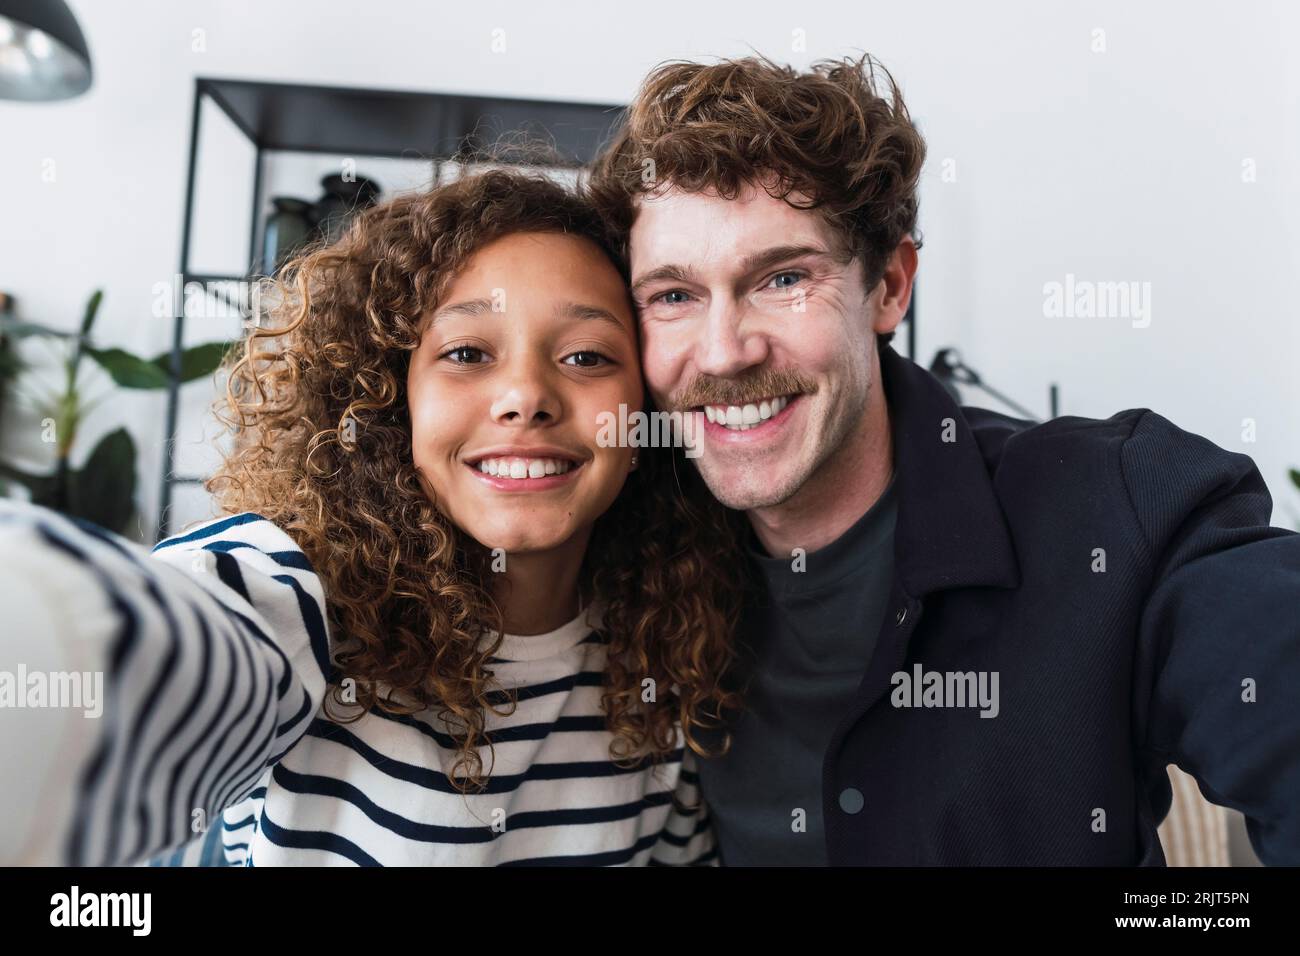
column 670, row 272
column 754, row 262
column 758, row 261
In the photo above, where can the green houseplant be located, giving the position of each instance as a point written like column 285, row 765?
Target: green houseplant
column 103, row 489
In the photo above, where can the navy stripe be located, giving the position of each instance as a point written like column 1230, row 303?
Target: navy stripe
column 286, row 559
column 227, row 569
column 332, row 787
column 499, row 735
column 312, row 621
column 181, row 724
column 608, row 858
column 578, row 816
column 702, row 824
column 246, row 756
column 320, row 786
column 124, row 641
column 438, row 782
column 210, row 531
column 703, row 860
column 215, row 721
column 315, row 840
column 135, row 773
column 560, row 685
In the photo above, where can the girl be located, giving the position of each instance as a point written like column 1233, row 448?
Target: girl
column 441, row 623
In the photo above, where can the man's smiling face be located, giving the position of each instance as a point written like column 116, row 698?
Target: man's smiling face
column 754, row 317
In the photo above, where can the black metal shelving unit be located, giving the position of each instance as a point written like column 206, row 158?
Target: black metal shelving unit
column 354, row 122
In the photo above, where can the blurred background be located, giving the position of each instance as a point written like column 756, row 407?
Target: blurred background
column 1146, row 153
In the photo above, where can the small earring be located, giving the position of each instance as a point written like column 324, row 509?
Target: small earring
column 634, row 461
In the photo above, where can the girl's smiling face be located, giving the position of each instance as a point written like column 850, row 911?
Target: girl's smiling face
column 532, row 341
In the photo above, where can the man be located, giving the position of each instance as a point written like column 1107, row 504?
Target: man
column 972, row 639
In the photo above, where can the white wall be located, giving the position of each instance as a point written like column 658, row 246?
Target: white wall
column 1123, row 165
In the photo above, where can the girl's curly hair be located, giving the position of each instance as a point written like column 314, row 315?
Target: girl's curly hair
column 316, row 398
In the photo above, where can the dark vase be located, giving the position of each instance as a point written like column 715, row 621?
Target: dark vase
column 342, row 200
column 287, row 230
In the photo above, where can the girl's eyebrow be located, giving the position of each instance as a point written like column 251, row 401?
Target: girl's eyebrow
column 483, row 306
column 575, row 310
column 468, row 307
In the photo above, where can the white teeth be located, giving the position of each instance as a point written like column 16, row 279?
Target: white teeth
column 743, row 418
column 523, row 467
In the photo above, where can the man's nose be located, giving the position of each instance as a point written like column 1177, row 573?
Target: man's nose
column 731, row 343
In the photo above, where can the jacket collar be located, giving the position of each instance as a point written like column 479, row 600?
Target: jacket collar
column 950, row 530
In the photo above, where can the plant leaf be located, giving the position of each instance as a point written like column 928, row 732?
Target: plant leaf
column 103, row 490
column 129, row 371
column 200, row 361
column 11, row 326
column 11, row 363
column 92, row 308
column 40, row 486
column 1295, row 477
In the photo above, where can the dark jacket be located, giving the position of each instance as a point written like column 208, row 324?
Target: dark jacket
column 1105, row 676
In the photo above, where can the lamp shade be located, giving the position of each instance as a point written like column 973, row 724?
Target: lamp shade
column 43, row 55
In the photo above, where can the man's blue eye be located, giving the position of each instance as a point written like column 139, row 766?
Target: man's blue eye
column 786, row 275
column 665, row 297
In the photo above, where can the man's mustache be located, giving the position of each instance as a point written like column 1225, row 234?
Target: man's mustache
column 750, row 388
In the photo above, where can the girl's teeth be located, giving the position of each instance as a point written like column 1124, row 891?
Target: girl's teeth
column 744, row 417
column 523, row 467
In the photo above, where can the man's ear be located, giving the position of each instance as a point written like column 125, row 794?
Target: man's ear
column 896, row 287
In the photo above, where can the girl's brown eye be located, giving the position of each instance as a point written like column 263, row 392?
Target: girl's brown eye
column 463, row 355
column 588, row 359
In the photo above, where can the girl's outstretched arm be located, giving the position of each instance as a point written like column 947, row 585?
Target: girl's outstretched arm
column 143, row 692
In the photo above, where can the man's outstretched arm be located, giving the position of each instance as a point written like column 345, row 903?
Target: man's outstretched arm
column 1218, row 665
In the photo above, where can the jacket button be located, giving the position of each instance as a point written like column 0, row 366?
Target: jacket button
column 851, row 800
column 900, row 616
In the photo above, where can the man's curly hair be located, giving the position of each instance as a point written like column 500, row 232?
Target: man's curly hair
column 316, row 397
column 832, row 134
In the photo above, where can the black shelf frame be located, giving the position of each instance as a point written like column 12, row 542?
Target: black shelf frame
column 352, row 121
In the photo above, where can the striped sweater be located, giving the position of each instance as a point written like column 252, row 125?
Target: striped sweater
column 215, row 656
